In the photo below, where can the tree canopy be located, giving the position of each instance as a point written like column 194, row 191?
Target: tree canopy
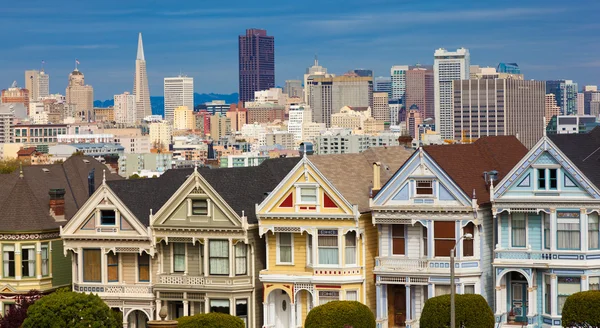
column 582, row 310
column 472, row 311
column 340, row 314
column 210, row 320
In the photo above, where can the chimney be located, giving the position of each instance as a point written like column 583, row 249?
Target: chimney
column 57, row 204
column 91, row 182
column 376, row 178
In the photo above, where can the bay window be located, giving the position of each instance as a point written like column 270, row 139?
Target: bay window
column 593, row 231
column 285, row 247
column 218, row 257
column 518, row 235
column 444, row 235
column 28, row 261
column 547, row 294
column 45, row 260
column 328, row 247
column 91, row 265
column 351, row 248
column 241, row 262
column 566, row 287
column 241, row 310
column 398, row 239
column 425, row 245
column 568, row 230
column 178, row 257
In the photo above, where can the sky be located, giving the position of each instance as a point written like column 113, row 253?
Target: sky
column 548, row 39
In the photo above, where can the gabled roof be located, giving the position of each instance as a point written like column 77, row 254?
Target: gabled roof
column 583, row 150
column 352, row 174
column 25, row 202
column 465, row 163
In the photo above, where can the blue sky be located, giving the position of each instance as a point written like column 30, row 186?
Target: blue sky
column 549, row 39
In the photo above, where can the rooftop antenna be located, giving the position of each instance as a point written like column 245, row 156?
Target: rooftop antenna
column 316, row 60
column 76, row 64
column 43, row 63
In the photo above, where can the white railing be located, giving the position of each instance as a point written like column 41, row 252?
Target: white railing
column 402, row 264
column 112, row 289
column 180, row 280
column 545, row 255
column 392, row 264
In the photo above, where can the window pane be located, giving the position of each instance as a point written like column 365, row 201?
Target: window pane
column 218, row 253
column 552, row 173
column 351, row 247
column 113, row 266
column 568, row 235
column 107, row 217
column 593, row 231
column 443, row 247
column 285, row 247
column 45, row 260
column 424, row 187
column 442, row 290
column 541, row 178
column 351, row 295
column 91, row 265
column 178, row 257
column 219, row 306
column 468, row 243
column 469, row 289
column 518, row 230
column 546, row 231
column 144, row 267
column 444, row 229
column 199, row 207
column 308, row 195
column 240, row 259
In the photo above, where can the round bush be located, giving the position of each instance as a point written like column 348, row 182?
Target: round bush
column 210, row 320
column 582, row 310
column 472, row 311
column 340, row 314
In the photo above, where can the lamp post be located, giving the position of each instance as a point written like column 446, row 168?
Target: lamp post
column 466, row 236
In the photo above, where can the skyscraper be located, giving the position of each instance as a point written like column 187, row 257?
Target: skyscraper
column 124, row 108
column 448, row 66
column 398, row 75
column 590, row 94
column 413, row 119
column 419, row 91
column 314, row 70
column 80, row 95
column 179, row 91
column 510, row 68
column 38, row 84
column 140, row 84
column 565, row 92
column 293, row 88
column 383, row 84
column 551, row 108
column 381, row 106
column 256, row 63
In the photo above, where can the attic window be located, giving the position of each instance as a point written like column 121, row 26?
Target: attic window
column 199, row 207
column 424, row 187
column 108, row 217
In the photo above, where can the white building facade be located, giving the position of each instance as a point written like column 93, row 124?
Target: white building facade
column 179, row 91
column 398, row 75
column 448, row 66
column 125, row 108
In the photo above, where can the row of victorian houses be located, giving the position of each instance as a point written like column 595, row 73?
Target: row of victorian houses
column 269, row 243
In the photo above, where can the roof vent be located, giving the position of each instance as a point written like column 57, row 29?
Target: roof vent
column 86, row 161
column 45, row 170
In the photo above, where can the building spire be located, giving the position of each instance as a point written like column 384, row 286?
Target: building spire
column 316, row 60
column 140, row 51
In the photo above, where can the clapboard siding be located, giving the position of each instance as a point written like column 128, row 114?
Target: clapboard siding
column 128, row 261
column 414, row 241
column 193, row 260
column 385, row 240
column 535, row 231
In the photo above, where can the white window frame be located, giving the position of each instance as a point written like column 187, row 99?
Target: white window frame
column 24, row 248
column 424, row 195
column 173, row 258
column 309, row 250
column 355, row 264
column 277, row 261
column 189, row 206
column 235, row 248
column 510, row 235
column 339, row 249
column 299, row 188
column 137, row 268
column 47, row 247
column 547, row 169
column 328, row 298
column 352, row 291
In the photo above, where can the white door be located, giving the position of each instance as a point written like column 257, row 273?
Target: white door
column 282, row 309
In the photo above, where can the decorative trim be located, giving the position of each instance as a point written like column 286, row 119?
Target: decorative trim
column 33, row 236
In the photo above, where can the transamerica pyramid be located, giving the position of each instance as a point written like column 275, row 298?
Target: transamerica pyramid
column 140, row 84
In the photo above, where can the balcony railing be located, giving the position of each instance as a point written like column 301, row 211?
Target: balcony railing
column 180, row 280
column 392, row 264
column 544, row 255
column 103, row 290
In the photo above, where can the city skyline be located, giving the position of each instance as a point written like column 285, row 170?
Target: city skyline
column 202, row 42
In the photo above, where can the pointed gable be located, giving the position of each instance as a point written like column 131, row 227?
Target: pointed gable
column 583, row 150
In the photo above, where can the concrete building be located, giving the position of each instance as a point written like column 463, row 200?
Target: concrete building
column 217, row 107
column 344, row 142
column 96, row 150
column 124, row 109
column 80, row 95
column 293, row 89
column 477, row 72
column 590, row 95
column 499, row 107
column 242, row 160
column 396, row 111
column 8, row 114
column 551, row 108
column 15, row 95
column 383, row 84
column 160, row 134
column 220, row 126
column 328, row 94
column 140, row 83
column 179, row 91
column 38, row 84
column 283, row 138
column 571, row 124
column 266, row 113
column 134, row 144
column 398, row 77
column 352, row 118
column 298, row 115
column 38, row 134
column 184, row 119
column 238, row 117
column 138, row 162
column 105, row 114
column 420, row 91
column 311, row 130
column 273, row 95
column 256, row 63
column 85, row 138
column 565, row 92
column 413, row 119
column 314, row 70
column 381, row 106
column 448, row 66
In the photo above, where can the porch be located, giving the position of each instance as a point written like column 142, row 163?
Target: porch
column 516, row 297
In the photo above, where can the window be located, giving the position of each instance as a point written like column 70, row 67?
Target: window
column 566, row 287
column 442, row 290
column 241, row 264
column 518, row 229
column 425, row 246
column 398, row 240
column 468, row 249
column 547, row 296
column 594, row 283
column 144, row 268
column 546, row 231
column 285, row 247
column 469, row 289
column 199, row 207
column 218, row 258
column 593, row 231
column 351, row 248
column 424, row 187
column 308, row 195
column 547, row 179
column 351, row 295
column 552, row 179
column 112, row 261
column 219, row 306
column 45, row 259
column 541, row 178
column 309, row 249
column 9, row 261
column 568, row 230
column 241, row 310
column 8, row 307
column 108, row 217
column 326, row 296
column 178, row 257
column 444, row 237
column 91, row 265
column 328, row 247
column 28, row 261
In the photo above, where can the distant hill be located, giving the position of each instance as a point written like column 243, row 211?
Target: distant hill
column 158, row 103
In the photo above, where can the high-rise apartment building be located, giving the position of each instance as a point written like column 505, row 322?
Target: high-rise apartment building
column 220, row 126
column 298, row 116
column 565, row 92
column 551, row 108
column 413, row 119
column 398, row 77
column 15, row 95
column 38, row 84
column 179, row 91
column 580, row 103
column 485, row 107
column 265, row 113
column 124, row 108
column 293, row 88
column 328, row 94
column 381, row 106
column 184, row 119
column 314, row 70
column 238, row 116
column 160, row 134
column 140, row 83
column 591, row 96
column 256, row 63
column 419, row 91
column 383, row 84
column 80, row 95
column 448, row 66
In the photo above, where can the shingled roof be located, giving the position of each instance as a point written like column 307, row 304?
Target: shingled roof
column 25, row 202
column 241, row 187
column 583, row 150
column 465, row 163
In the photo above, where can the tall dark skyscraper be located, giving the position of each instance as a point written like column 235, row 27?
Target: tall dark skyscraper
column 257, row 63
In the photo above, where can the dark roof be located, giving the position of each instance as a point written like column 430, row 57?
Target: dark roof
column 241, row 187
column 465, row 163
column 583, row 150
column 24, row 202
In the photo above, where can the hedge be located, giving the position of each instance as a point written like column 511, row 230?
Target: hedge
column 340, row 314
column 582, row 310
column 210, row 320
column 472, row 311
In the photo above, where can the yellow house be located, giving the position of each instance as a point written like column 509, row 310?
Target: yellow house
column 319, row 236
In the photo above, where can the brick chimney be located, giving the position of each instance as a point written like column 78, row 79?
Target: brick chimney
column 57, row 204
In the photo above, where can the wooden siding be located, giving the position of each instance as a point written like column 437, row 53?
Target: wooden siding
column 61, row 265
column 414, row 240
column 258, row 245
column 193, row 259
column 504, row 226
column 371, row 244
column 129, row 262
column 299, row 251
column 385, row 240
column 535, row 231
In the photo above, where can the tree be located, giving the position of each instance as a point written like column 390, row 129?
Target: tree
column 211, row 320
column 78, row 153
column 17, row 314
column 340, row 314
column 472, row 311
column 64, row 308
column 134, row 176
column 9, row 166
column 582, row 310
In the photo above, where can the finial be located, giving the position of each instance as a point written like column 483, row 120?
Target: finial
column 243, row 213
column 196, row 167
column 103, row 176
column 150, row 212
column 163, row 313
column 21, row 170
column 474, row 195
column 544, row 125
column 304, row 153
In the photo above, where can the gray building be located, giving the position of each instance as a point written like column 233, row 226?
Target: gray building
column 499, row 107
column 383, row 84
column 293, row 88
column 565, row 92
column 136, row 163
column 345, row 143
column 591, row 100
column 8, row 113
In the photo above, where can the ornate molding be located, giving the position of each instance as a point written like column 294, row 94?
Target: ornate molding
column 31, row 236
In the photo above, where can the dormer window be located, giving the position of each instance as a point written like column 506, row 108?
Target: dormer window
column 424, row 188
column 108, row 217
column 199, row 207
column 308, row 195
column 547, row 179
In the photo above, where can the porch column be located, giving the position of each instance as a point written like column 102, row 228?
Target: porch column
column 292, row 312
column 499, row 230
column 17, row 262
column 553, row 230
column 158, row 306
column 583, row 223
column 498, row 300
column 585, row 283
column 531, row 297
column 430, row 291
column 265, row 315
column 553, row 294
column 379, row 301
column 408, row 304
column 186, row 308
column 38, row 260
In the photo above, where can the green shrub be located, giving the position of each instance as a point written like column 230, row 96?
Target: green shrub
column 210, row 320
column 472, row 311
column 582, row 310
column 340, row 314
column 64, row 308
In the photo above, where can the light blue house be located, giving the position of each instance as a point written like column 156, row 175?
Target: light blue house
column 546, row 229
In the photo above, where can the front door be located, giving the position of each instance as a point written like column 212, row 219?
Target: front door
column 282, row 309
column 519, row 301
column 397, row 305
